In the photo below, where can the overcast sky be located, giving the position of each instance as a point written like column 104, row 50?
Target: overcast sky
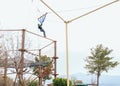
column 100, row 27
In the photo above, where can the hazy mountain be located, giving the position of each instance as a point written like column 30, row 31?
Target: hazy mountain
column 105, row 80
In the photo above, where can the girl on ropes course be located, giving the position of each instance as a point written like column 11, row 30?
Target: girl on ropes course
column 41, row 20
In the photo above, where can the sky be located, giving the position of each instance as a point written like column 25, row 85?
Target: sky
column 100, row 27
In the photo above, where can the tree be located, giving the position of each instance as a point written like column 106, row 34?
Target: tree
column 10, row 55
column 45, row 70
column 61, row 82
column 100, row 61
column 8, row 80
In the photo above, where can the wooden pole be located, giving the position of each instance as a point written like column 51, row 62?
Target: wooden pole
column 21, row 64
column 22, row 52
column 54, row 60
column 40, row 70
column 5, row 70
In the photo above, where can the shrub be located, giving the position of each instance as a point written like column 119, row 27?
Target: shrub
column 61, row 82
column 31, row 83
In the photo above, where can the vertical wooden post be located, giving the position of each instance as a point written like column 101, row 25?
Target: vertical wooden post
column 22, row 52
column 21, row 64
column 5, row 69
column 55, row 62
column 40, row 70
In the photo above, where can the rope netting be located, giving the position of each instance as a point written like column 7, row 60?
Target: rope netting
column 18, row 44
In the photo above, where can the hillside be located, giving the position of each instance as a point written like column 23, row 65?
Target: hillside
column 105, row 80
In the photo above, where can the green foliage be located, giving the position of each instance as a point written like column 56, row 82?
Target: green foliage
column 46, row 69
column 43, row 59
column 61, row 82
column 100, row 61
column 31, row 83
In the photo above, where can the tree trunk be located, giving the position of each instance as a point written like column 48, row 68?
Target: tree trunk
column 39, row 81
column 40, row 76
column 98, row 76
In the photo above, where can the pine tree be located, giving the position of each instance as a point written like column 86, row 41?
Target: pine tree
column 100, row 61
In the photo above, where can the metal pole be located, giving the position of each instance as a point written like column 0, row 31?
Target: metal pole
column 103, row 6
column 67, row 60
column 67, row 64
column 52, row 10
